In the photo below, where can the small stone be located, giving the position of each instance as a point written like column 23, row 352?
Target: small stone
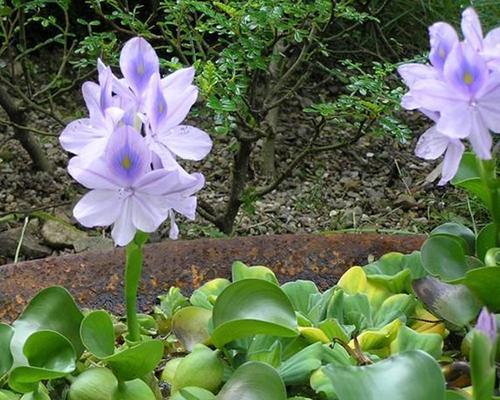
column 405, row 201
column 60, row 235
column 30, row 246
column 93, row 243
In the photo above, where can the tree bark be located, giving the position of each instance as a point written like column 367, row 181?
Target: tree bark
column 28, row 141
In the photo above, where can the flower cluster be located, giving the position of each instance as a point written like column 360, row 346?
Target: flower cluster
column 127, row 150
column 459, row 91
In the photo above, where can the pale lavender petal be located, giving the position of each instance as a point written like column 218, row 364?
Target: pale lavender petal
column 465, row 70
column 178, row 105
column 451, row 161
column 176, row 182
column 127, row 155
column 491, row 49
column 91, row 94
column 471, row 28
column 480, row 138
column 408, row 102
column 442, row 37
column 155, row 104
column 413, row 72
column 488, row 103
column 432, row 144
column 123, row 230
column 93, row 150
column 93, row 174
column 167, row 158
column 430, row 114
column 487, row 323
column 138, row 62
column 186, row 207
column 98, row 208
column 178, row 80
column 106, row 85
column 456, row 122
column 148, row 211
column 78, row 134
column 187, row 142
column 174, row 229
column 436, row 95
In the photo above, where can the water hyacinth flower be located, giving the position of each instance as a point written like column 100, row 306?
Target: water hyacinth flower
column 487, row 324
column 125, row 191
column 460, row 88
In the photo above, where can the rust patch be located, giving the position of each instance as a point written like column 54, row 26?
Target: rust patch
column 95, row 278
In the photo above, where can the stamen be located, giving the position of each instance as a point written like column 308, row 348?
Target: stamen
column 468, row 78
column 126, row 162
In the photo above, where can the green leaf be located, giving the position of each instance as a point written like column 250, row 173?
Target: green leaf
column 486, row 240
column 193, row 393
column 453, row 303
column 241, row 271
column 97, row 334
column 413, row 375
column 8, row 395
column 460, row 231
column 254, row 381
column 391, row 264
column 396, row 306
column 93, row 384
column 51, row 309
column 457, row 395
column 206, row 295
column 135, row 362
column 408, row 339
column 299, row 292
column 468, row 177
column 6, row 333
column 133, row 390
column 249, row 307
column 190, row 326
column 484, row 283
column 298, row 368
column 49, row 355
column 271, row 355
column 321, row 384
column 444, row 256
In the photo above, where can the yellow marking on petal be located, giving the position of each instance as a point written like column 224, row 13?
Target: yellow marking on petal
column 126, row 163
column 160, row 108
column 468, row 78
column 140, row 69
column 442, row 53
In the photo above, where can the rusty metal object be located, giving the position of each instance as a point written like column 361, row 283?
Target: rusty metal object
column 96, row 278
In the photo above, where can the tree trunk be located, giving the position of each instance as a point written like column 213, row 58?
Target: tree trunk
column 28, row 141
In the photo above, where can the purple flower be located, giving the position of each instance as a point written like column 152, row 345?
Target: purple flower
column 442, row 38
column 126, row 192
column 467, row 99
column 487, row 324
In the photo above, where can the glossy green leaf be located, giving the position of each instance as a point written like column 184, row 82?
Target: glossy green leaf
column 8, row 395
column 453, row 303
column 249, row 307
column 408, row 339
column 460, row 231
column 201, row 368
column 49, row 355
column 333, row 330
column 52, row 309
column 413, row 375
column 485, row 240
column 97, row 334
column 254, row 381
column 492, row 257
column 241, row 271
column 6, row 333
column 133, row 390
column 457, row 395
column 322, row 385
column 299, row 292
column 298, row 368
column 206, row 295
column 396, row 306
column 93, row 384
column 271, row 355
column 468, row 178
column 40, row 394
column 190, row 326
column 444, row 256
column 193, row 393
column 485, row 283
column 391, row 264
column 351, row 309
column 135, row 362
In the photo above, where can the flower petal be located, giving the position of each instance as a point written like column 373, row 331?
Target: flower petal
column 456, row 122
column 431, row 144
column 435, row 95
column 442, row 39
column 174, row 229
column 98, row 208
column 179, row 79
column 187, row 142
column 155, row 104
column 138, row 62
column 480, row 138
column 148, row 211
column 471, row 28
column 93, row 174
column 489, row 102
column 451, row 161
column 127, row 155
column 413, row 72
column 123, row 230
column 78, row 134
column 178, row 104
